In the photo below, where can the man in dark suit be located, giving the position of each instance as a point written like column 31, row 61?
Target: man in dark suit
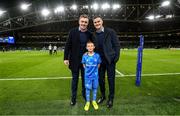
column 74, row 49
column 107, row 45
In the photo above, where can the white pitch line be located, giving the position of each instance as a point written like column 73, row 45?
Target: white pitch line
column 56, row 78
column 160, row 74
column 119, row 73
column 44, row 78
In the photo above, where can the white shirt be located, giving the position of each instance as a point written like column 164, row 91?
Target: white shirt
column 50, row 47
column 55, row 48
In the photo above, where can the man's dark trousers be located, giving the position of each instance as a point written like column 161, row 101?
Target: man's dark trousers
column 111, row 78
column 74, row 83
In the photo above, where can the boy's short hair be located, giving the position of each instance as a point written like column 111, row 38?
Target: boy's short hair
column 83, row 16
column 90, row 42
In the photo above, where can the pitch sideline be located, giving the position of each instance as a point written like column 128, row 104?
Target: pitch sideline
column 121, row 74
column 56, row 78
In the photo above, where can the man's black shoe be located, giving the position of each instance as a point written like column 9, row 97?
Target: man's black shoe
column 73, row 102
column 109, row 103
column 100, row 100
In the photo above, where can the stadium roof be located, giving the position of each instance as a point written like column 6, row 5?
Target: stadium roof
column 14, row 3
column 134, row 12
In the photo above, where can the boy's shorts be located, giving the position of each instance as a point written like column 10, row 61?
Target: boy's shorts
column 91, row 83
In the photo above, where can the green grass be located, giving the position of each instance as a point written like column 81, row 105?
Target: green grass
column 158, row 95
column 31, row 64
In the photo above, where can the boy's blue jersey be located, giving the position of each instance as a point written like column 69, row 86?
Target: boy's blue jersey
column 91, row 65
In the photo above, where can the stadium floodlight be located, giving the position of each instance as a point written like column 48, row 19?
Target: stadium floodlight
column 169, row 16
column 105, row 6
column 165, row 3
column 158, row 16
column 115, row 6
column 85, row 6
column 25, row 6
column 74, row 7
column 45, row 12
column 95, row 6
column 2, row 12
column 59, row 9
column 151, row 17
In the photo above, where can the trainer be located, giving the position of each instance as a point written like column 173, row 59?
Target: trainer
column 74, row 49
column 107, row 45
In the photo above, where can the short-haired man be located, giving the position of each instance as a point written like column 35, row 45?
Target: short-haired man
column 107, row 45
column 74, row 49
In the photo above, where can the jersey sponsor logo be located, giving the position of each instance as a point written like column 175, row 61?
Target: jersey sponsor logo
column 90, row 65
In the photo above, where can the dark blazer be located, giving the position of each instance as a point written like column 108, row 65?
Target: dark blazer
column 111, row 45
column 72, row 48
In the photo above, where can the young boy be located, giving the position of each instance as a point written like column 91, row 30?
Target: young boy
column 91, row 62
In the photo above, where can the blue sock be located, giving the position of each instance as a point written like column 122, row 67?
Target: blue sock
column 94, row 94
column 87, row 95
